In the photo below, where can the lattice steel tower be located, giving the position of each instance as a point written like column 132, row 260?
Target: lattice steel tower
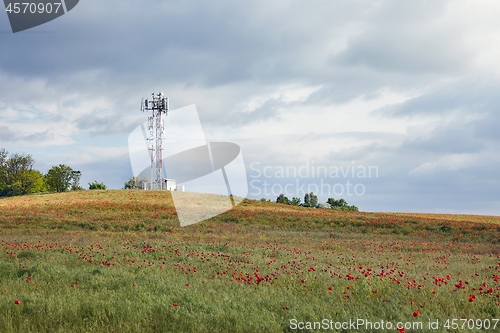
column 158, row 105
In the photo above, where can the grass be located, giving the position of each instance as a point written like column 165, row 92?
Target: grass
column 117, row 261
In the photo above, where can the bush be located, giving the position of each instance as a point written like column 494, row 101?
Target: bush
column 341, row 204
column 348, row 208
column 97, row 186
column 282, row 199
column 132, row 184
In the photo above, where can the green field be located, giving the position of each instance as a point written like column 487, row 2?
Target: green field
column 118, row 261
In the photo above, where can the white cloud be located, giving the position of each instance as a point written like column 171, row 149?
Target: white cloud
column 447, row 163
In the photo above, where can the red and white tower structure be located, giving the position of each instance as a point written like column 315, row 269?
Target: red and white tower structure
column 158, row 105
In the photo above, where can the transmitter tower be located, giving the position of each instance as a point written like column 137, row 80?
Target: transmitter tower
column 158, row 105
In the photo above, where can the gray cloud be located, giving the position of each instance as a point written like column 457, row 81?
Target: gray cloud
column 268, row 110
column 408, row 38
column 113, row 172
column 37, row 136
column 105, row 124
column 6, row 134
column 473, row 96
column 450, row 138
column 487, row 127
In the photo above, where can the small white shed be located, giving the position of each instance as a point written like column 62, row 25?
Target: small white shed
column 170, row 184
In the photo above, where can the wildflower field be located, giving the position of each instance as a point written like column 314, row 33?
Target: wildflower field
column 118, row 261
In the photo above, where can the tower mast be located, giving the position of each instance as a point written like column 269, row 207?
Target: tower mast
column 158, row 105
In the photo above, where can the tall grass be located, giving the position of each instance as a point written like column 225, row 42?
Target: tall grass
column 253, row 269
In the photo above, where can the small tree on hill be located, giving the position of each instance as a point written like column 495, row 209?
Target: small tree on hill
column 135, row 183
column 59, row 178
column 282, row 199
column 310, row 200
column 341, row 204
column 295, row 201
column 17, row 176
column 3, row 169
column 97, row 186
column 132, row 184
column 75, row 183
column 307, row 200
column 29, row 181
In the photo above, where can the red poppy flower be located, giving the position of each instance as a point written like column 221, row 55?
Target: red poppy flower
column 175, row 304
column 416, row 313
column 17, row 302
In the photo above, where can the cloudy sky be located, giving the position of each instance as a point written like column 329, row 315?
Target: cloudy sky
column 409, row 89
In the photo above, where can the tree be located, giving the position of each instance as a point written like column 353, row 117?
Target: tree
column 27, row 182
column 17, row 176
column 75, row 183
column 310, row 200
column 341, row 204
column 314, row 199
column 135, row 183
column 97, row 186
column 282, row 199
column 307, row 200
column 132, row 184
column 17, row 179
column 59, row 178
column 39, row 185
column 3, row 170
column 295, row 201
column 337, row 203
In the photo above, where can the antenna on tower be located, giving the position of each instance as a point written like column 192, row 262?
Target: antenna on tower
column 158, row 105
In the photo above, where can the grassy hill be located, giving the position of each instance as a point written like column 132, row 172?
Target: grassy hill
column 154, row 211
column 118, row 261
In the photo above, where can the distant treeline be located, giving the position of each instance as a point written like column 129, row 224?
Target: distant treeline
column 311, row 200
column 17, row 176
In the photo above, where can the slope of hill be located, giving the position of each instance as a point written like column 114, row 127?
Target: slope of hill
column 154, row 211
column 118, row 261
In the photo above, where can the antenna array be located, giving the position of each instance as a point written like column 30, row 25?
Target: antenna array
column 158, row 105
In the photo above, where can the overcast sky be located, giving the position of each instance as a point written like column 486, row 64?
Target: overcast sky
column 409, row 88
